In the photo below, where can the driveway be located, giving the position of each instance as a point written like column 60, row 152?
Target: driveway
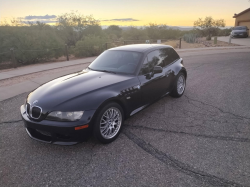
column 200, row 139
column 238, row 41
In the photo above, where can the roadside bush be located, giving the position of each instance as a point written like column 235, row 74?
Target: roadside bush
column 114, row 32
column 224, row 32
column 31, row 44
column 134, row 33
column 208, row 38
column 90, row 45
column 155, row 31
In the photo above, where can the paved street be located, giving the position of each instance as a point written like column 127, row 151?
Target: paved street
column 200, row 139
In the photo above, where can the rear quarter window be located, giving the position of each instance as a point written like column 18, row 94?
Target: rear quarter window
column 168, row 55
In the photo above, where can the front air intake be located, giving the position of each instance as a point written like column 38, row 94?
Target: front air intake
column 36, row 112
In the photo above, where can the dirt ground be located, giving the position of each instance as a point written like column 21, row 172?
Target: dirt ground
column 201, row 43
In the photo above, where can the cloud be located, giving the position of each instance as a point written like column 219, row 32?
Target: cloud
column 43, row 19
column 122, row 19
column 40, row 17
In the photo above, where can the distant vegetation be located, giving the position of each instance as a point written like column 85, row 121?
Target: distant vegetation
column 209, row 27
column 39, row 42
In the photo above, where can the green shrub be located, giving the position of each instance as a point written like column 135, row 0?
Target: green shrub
column 155, row 31
column 31, row 44
column 90, row 45
column 134, row 33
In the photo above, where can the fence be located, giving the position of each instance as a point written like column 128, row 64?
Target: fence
column 14, row 56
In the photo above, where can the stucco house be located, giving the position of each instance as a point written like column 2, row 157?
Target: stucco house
column 243, row 19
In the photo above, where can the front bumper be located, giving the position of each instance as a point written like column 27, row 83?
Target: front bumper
column 239, row 35
column 61, row 133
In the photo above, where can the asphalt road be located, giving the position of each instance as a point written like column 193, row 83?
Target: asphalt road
column 201, row 139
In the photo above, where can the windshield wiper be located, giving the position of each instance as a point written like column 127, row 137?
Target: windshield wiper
column 102, row 70
column 107, row 71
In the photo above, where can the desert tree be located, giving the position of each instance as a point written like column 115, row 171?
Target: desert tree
column 208, row 26
column 71, row 26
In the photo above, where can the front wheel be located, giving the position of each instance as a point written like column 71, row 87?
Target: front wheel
column 179, row 86
column 108, row 123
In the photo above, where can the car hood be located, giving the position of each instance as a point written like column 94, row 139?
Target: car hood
column 60, row 90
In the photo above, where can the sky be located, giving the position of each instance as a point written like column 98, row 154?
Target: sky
column 125, row 12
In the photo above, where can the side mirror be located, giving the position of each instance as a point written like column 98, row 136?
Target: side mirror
column 158, row 69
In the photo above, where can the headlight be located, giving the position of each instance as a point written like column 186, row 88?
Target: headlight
column 65, row 116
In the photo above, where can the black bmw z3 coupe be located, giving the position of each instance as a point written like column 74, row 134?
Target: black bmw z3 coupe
column 117, row 84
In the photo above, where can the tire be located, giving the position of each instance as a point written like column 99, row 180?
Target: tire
column 108, row 127
column 179, row 92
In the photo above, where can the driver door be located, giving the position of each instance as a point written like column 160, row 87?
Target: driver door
column 151, row 84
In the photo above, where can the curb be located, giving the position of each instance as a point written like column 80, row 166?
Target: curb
column 44, row 70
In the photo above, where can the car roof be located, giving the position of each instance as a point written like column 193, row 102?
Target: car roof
column 140, row 47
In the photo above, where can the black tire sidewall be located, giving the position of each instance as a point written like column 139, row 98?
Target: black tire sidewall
column 96, row 130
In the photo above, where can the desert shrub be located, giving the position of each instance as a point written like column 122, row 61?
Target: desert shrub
column 224, row 32
column 134, row 33
column 208, row 38
column 90, row 45
column 155, row 31
column 32, row 44
column 114, row 32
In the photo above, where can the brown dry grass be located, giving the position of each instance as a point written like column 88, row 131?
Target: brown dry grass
column 202, row 42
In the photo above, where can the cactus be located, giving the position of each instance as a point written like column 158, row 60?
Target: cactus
column 190, row 38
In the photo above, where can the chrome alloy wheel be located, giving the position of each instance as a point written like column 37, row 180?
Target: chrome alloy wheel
column 110, row 123
column 181, row 84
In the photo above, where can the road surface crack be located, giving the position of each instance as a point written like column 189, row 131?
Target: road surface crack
column 226, row 138
column 7, row 122
column 237, row 116
column 182, row 167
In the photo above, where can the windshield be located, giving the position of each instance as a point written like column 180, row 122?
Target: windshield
column 239, row 28
column 117, row 62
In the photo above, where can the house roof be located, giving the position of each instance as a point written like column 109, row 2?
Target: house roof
column 236, row 15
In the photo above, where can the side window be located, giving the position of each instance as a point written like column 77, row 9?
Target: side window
column 174, row 55
column 168, row 55
column 154, row 59
column 144, row 68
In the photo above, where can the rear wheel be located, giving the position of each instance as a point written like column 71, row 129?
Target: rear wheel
column 108, row 123
column 179, row 86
